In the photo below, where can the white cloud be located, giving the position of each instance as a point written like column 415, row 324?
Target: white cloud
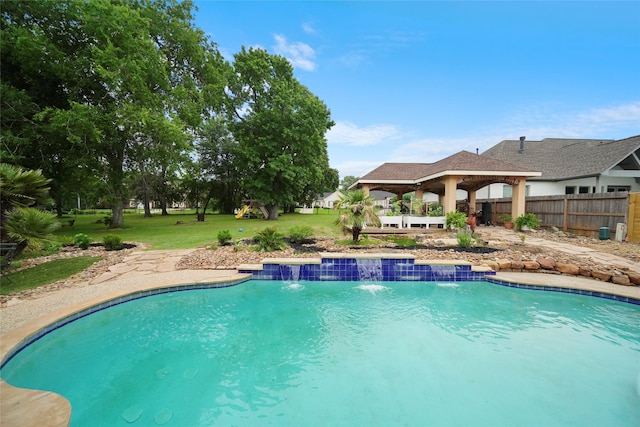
column 308, row 28
column 350, row 134
column 430, row 150
column 605, row 119
column 356, row 168
column 548, row 121
column 300, row 54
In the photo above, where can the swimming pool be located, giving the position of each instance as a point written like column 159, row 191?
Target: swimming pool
column 346, row 354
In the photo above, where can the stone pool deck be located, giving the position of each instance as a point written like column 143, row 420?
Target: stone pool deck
column 156, row 269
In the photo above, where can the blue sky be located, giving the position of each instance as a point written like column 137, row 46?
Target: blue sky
column 420, row 80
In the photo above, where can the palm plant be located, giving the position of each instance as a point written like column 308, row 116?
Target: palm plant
column 21, row 188
column 29, row 226
column 19, row 191
column 359, row 211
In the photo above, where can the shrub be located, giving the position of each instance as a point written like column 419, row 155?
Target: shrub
column 456, row 220
column 224, row 237
column 505, row 218
column 82, row 241
column 269, row 240
column 404, row 241
column 417, row 205
column 112, row 242
column 67, row 240
column 528, row 220
column 50, row 247
column 107, row 220
column 465, row 238
column 300, row 232
column 435, row 210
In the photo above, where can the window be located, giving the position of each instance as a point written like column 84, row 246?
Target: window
column 507, row 191
column 569, row 190
column 616, row 188
column 583, row 190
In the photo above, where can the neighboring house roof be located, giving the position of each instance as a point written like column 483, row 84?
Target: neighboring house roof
column 381, row 195
column 560, row 159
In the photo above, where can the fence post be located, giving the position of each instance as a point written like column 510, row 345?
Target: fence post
column 565, row 214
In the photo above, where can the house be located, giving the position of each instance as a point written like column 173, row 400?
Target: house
column 570, row 166
column 327, row 200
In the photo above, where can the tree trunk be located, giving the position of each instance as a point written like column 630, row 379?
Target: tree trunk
column 145, row 198
column 117, row 217
column 355, row 233
column 59, row 206
column 163, row 193
column 163, row 205
column 273, row 212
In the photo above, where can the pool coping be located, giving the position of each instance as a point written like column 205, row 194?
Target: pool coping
column 27, row 407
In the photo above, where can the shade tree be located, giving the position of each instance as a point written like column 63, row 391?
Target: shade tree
column 280, row 127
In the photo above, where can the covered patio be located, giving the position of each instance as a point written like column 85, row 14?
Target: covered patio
column 461, row 171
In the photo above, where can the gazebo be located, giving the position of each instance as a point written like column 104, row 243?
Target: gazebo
column 463, row 170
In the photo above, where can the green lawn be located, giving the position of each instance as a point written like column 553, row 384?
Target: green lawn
column 43, row 274
column 176, row 231
column 182, row 231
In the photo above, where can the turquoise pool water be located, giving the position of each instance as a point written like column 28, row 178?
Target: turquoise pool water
column 345, row 354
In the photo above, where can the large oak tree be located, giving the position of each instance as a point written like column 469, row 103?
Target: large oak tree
column 280, row 127
column 104, row 84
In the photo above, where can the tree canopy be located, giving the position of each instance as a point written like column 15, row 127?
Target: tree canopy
column 122, row 96
column 105, row 85
column 280, row 126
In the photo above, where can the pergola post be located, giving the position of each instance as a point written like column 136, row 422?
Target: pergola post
column 518, row 198
column 450, row 187
column 472, row 201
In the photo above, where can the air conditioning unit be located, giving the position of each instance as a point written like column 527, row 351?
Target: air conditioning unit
column 621, row 231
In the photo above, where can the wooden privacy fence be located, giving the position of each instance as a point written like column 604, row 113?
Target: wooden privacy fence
column 579, row 213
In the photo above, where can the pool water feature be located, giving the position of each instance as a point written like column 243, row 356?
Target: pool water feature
column 342, row 353
column 364, row 267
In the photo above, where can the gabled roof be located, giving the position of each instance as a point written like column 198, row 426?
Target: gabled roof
column 398, row 172
column 560, row 159
column 464, row 162
column 478, row 171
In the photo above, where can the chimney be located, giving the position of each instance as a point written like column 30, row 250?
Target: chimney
column 522, row 138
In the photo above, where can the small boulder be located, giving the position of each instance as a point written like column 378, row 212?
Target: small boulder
column 547, row 263
column 565, row 268
column 634, row 277
column 531, row 265
column 517, row 265
column 491, row 264
column 621, row 279
column 601, row 275
column 585, row 271
column 504, row 263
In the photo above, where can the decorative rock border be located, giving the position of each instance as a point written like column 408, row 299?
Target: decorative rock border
column 617, row 275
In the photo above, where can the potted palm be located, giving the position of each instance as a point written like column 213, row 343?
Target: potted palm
column 507, row 220
column 358, row 211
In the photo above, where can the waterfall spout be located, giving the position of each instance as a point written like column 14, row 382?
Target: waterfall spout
column 369, row 270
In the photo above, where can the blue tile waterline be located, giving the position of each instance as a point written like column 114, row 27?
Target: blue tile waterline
column 565, row 290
